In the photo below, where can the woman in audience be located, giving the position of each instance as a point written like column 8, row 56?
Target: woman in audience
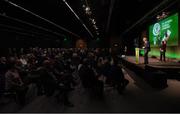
column 15, row 84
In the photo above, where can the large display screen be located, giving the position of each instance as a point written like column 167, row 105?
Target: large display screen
column 166, row 29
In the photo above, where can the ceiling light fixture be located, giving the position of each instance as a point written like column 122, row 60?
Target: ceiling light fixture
column 162, row 16
column 78, row 18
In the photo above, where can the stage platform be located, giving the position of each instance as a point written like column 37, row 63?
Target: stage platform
column 156, row 65
column 156, row 72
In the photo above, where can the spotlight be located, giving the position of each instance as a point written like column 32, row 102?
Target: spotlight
column 89, row 13
column 95, row 27
column 158, row 17
column 164, row 14
column 116, row 45
column 93, row 21
column 87, row 9
column 84, row 6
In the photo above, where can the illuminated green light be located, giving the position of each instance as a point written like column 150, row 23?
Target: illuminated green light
column 171, row 52
column 159, row 32
column 141, row 52
column 161, row 29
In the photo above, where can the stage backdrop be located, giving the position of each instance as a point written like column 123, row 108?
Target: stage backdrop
column 160, row 30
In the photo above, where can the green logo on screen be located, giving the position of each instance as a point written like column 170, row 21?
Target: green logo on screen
column 156, row 29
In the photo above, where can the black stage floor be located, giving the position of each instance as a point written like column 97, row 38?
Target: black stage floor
column 156, row 72
column 155, row 64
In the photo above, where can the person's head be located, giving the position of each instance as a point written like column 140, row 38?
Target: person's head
column 144, row 39
column 46, row 63
column 166, row 34
column 12, row 60
column 163, row 42
column 85, row 62
column 3, row 59
column 100, row 60
column 74, row 55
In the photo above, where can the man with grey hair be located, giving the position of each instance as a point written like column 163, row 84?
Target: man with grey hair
column 146, row 49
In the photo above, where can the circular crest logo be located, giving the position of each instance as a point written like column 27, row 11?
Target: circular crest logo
column 156, row 29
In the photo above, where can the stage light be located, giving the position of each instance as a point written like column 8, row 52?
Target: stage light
column 95, row 26
column 79, row 18
column 162, row 16
column 116, row 45
column 84, row 6
column 88, row 12
column 97, row 33
column 158, row 17
column 93, row 21
column 87, row 9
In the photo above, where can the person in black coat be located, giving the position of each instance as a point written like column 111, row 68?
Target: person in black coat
column 146, row 49
column 86, row 74
column 119, row 80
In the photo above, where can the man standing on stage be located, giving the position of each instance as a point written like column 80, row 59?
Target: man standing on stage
column 146, row 49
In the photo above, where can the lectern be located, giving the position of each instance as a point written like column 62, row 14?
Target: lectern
column 137, row 55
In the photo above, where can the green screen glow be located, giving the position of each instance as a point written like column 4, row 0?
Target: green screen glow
column 157, row 34
column 170, row 53
column 168, row 26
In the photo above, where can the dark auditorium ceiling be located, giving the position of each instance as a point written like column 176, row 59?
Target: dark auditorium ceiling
column 124, row 14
